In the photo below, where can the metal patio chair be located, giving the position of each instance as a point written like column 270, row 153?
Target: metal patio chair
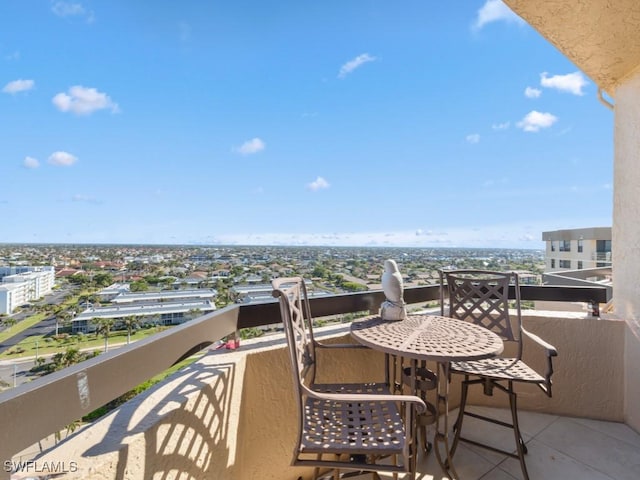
column 352, row 426
column 482, row 297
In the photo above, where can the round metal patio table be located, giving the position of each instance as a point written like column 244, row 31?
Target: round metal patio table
column 434, row 338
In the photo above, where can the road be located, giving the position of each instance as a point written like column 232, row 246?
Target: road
column 15, row 372
column 47, row 325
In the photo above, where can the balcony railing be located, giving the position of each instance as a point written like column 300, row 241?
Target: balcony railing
column 34, row 410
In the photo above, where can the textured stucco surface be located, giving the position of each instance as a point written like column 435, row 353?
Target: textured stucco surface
column 626, row 235
column 233, row 416
column 600, row 36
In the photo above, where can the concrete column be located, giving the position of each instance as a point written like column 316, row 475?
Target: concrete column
column 626, row 235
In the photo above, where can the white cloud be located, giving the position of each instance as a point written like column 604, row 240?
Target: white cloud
column 531, row 92
column 13, row 56
column 571, row 82
column 357, row 62
column 501, row 126
column 30, row 162
column 318, row 184
column 79, row 197
column 250, row 147
column 512, row 235
column 493, row 11
column 69, row 9
column 18, row 86
column 84, row 101
column 62, row 159
column 473, row 138
column 534, row 121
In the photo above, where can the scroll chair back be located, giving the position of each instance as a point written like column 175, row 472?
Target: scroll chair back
column 482, row 297
column 342, row 426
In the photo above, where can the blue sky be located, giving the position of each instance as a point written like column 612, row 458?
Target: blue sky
column 367, row 122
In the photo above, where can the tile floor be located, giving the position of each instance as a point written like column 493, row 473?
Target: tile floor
column 560, row 448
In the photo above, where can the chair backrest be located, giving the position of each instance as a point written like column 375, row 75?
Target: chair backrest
column 297, row 321
column 482, row 297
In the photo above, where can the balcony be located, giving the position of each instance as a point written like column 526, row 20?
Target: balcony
column 231, row 414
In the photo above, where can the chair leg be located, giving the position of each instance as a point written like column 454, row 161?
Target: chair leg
column 520, row 446
column 457, row 426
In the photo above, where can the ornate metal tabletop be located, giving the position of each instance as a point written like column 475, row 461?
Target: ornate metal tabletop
column 428, row 337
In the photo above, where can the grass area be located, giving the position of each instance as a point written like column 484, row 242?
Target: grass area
column 21, row 326
column 35, row 319
column 48, row 345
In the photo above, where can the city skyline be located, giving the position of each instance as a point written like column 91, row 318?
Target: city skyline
column 433, row 125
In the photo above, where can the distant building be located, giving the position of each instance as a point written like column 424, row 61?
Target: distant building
column 197, row 294
column 167, row 313
column 23, row 284
column 113, row 290
column 577, row 249
column 577, row 257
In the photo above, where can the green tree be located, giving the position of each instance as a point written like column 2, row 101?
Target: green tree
column 8, row 322
column 130, row 323
column 103, row 327
column 139, row 286
column 62, row 317
column 103, row 279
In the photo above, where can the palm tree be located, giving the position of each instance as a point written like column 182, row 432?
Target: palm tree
column 130, row 323
column 8, row 322
column 103, row 327
column 62, row 317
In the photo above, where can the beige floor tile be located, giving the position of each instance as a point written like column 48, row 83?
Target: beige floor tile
column 613, row 429
column 614, row 457
column 544, row 462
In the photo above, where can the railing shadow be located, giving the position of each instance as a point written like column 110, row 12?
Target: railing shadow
column 178, row 430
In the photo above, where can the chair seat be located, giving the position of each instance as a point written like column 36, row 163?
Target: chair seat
column 500, row 369
column 368, row 428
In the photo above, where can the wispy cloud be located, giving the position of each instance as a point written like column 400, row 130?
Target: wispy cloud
column 473, row 138
column 17, row 86
column 571, row 82
column 357, row 62
column 318, row 184
column 534, row 121
column 62, row 159
column 79, row 197
column 184, row 29
column 501, row 126
column 250, row 147
column 30, row 162
column 13, row 56
column 84, row 101
column 531, row 92
column 70, row 9
column 495, row 11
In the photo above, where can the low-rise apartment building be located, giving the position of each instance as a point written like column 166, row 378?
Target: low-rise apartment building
column 20, row 285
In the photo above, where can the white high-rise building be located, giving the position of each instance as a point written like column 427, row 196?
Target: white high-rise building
column 577, row 249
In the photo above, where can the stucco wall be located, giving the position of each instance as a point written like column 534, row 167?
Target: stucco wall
column 588, row 371
column 233, row 415
column 626, row 233
column 185, row 427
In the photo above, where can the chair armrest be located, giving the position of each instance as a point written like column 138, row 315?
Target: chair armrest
column 550, row 349
column 551, row 352
column 421, row 407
